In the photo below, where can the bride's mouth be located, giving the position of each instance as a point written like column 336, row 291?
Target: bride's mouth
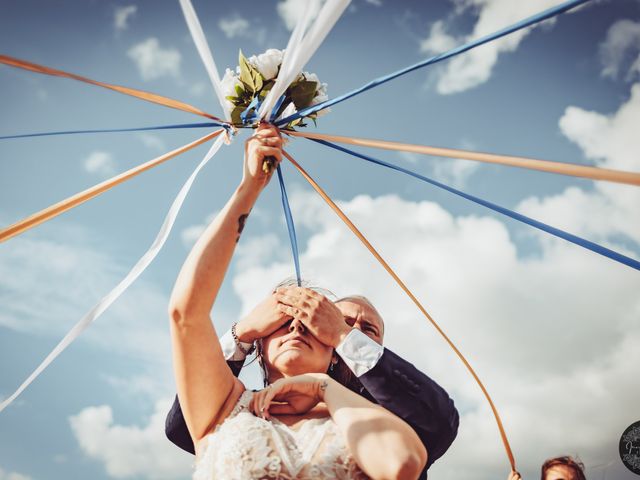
column 296, row 340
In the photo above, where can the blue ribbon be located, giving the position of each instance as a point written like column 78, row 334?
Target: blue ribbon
column 290, row 226
column 247, row 116
column 551, row 12
column 111, row 130
column 278, row 104
column 594, row 247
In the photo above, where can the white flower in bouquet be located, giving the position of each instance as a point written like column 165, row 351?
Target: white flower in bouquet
column 268, row 62
column 255, row 77
column 228, row 84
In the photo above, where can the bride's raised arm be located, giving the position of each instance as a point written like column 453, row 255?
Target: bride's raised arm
column 206, row 386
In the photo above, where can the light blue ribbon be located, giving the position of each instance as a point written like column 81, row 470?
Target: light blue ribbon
column 290, row 226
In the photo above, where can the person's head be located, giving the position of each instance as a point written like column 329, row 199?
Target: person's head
column 562, row 468
column 292, row 350
column 360, row 313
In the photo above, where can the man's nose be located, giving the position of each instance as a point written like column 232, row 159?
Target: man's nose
column 296, row 325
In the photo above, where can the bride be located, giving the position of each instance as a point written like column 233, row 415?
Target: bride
column 303, row 424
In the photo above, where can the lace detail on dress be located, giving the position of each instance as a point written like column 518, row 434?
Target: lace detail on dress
column 246, row 447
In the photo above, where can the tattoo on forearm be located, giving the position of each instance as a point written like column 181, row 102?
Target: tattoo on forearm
column 241, row 222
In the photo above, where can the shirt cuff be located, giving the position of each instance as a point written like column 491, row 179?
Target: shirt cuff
column 230, row 349
column 359, row 352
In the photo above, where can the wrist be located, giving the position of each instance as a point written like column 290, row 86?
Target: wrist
column 244, row 333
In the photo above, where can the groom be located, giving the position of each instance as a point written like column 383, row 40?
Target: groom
column 355, row 329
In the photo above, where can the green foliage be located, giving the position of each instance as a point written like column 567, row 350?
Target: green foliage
column 250, row 77
column 252, row 84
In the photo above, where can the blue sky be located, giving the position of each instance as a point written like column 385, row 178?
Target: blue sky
column 550, row 327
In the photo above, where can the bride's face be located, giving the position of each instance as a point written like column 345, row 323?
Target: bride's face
column 292, row 350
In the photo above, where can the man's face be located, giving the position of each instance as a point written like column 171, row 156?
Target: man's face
column 559, row 472
column 359, row 314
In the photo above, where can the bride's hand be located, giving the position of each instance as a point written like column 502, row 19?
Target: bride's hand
column 266, row 142
column 294, row 395
column 262, row 321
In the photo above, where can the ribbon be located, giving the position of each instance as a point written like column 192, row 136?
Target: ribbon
column 205, row 53
column 551, row 12
column 304, row 49
column 116, row 130
column 80, row 198
column 570, row 169
column 402, row 285
column 290, row 226
column 149, row 97
column 133, row 274
column 589, row 245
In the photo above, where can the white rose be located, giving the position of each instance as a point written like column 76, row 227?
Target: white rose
column 267, row 63
column 319, row 98
column 312, row 77
column 228, row 85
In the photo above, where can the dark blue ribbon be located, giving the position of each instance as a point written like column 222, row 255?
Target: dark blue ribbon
column 594, row 247
column 111, row 130
column 551, row 12
column 290, row 226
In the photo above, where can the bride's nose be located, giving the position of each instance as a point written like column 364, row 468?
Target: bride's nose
column 296, row 325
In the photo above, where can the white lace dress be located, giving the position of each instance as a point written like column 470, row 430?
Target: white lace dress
column 246, row 447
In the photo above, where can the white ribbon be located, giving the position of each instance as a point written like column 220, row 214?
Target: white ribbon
column 286, row 67
column 133, row 274
column 303, row 48
column 205, row 53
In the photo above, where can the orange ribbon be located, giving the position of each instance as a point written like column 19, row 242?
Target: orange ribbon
column 79, row 198
column 571, row 169
column 390, row 271
column 149, row 97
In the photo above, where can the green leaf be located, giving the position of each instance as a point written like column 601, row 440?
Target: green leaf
column 250, row 77
column 303, row 93
column 235, row 115
column 239, row 90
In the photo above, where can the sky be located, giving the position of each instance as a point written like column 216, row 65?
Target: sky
column 552, row 329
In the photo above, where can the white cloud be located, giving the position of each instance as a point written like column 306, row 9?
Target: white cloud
column 100, row 163
column 621, row 45
column 122, row 15
column 130, row 450
column 438, row 40
column 291, row 10
column 153, row 142
column 474, row 67
column 234, row 26
column 609, row 210
column 198, row 88
column 70, row 274
column 4, row 475
column 153, row 61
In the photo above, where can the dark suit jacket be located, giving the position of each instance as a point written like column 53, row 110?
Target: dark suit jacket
column 393, row 383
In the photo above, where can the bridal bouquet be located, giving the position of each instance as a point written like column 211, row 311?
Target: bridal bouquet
column 247, row 86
